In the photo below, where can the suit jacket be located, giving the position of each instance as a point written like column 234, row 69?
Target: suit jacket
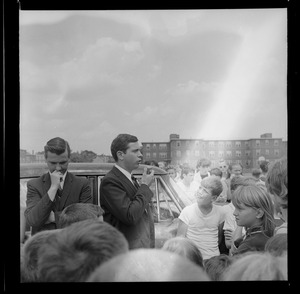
column 39, row 206
column 127, row 208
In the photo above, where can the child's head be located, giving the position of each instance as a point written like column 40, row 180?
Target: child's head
column 216, row 265
column 257, row 266
column 171, row 171
column 216, row 172
column 277, row 182
column 79, row 211
column 187, row 174
column 235, row 169
column 203, row 165
column 277, row 244
column 184, row 247
column 253, row 207
column 211, row 187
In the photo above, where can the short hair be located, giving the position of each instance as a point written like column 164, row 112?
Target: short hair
column 241, row 181
column 214, row 184
column 216, row 171
column 148, row 265
column 257, row 266
column 78, row 249
column 216, row 265
column 203, row 162
column 77, row 212
column 251, row 195
column 184, row 247
column 277, row 244
column 58, row 146
column 30, row 255
column 256, row 172
column 264, row 166
column 186, row 170
column 120, row 143
column 277, row 180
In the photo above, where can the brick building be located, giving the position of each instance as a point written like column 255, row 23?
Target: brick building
column 189, row 151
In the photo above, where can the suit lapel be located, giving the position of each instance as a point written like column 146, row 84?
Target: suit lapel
column 46, row 183
column 66, row 190
column 125, row 181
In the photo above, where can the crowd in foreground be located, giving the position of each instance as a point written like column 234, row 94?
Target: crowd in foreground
column 229, row 232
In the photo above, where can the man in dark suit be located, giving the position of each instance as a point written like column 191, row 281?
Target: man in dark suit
column 49, row 194
column 124, row 201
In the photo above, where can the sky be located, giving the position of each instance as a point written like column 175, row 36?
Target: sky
column 87, row 76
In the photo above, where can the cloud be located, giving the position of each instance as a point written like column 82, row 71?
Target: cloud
column 104, row 63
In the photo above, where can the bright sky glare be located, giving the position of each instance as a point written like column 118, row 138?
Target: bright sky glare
column 203, row 74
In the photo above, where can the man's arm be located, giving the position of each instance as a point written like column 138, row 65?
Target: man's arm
column 86, row 193
column 115, row 198
column 182, row 229
column 38, row 207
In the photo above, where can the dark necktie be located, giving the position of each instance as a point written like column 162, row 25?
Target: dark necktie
column 135, row 182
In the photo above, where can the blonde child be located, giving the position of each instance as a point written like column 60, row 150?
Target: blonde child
column 254, row 210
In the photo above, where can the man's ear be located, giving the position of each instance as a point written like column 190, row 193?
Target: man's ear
column 259, row 213
column 120, row 155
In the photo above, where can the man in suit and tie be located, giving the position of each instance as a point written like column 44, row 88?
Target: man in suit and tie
column 124, row 201
column 49, row 194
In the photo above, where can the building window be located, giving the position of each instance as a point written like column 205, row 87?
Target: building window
column 154, row 155
column 276, row 152
column 162, row 146
column 238, row 153
column 188, row 152
column 162, row 155
column 257, row 152
column 178, row 143
column 147, row 155
column 178, row 153
column 267, row 152
column 228, row 144
column 238, row 144
column 228, row 153
column 221, row 154
column 197, row 153
column 257, row 143
column 247, row 144
column 247, row 152
column 211, row 144
column 211, row 154
column 267, row 142
column 197, row 143
column 276, row 143
column 148, row 146
column 221, row 144
column 248, row 162
column 187, row 143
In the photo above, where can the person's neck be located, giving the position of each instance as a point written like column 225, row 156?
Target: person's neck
column 206, row 208
column 122, row 166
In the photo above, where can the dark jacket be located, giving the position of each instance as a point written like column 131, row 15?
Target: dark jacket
column 254, row 240
column 39, row 205
column 127, row 208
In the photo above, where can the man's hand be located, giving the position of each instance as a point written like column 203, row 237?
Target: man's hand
column 147, row 179
column 55, row 178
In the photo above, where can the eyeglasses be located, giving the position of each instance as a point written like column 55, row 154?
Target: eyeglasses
column 223, row 166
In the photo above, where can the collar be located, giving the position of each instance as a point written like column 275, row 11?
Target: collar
column 124, row 172
column 254, row 230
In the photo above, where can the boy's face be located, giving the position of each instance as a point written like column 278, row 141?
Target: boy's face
column 204, row 170
column 189, row 177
